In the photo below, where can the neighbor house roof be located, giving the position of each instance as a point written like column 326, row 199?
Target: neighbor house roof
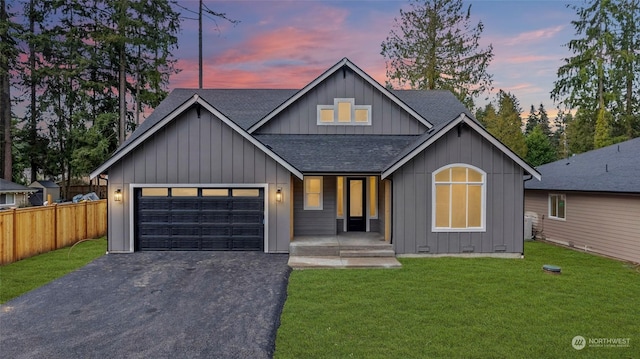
column 338, row 153
column 614, row 168
column 44, row 184
column 12, row 187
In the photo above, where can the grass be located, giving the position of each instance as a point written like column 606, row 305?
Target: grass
column 30, row 273
column 464, row 308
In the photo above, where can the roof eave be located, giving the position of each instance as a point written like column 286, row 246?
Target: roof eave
column 195, row 99
column 462, row 118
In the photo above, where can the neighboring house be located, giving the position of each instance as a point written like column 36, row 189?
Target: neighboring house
column 46, row 189
column 13, row 194
column 590, row 201
column 254, row 169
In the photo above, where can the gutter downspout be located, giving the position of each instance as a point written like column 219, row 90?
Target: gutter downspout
column 523, row 210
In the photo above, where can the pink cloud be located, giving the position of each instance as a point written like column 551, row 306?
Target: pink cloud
column 535, row 36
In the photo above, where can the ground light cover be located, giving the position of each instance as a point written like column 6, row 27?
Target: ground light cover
column 30, row 273
column 466, row 308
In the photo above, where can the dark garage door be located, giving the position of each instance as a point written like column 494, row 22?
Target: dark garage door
column 200, row 219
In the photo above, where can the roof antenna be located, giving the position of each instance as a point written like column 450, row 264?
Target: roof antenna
column 606, row 167
column 618, row 148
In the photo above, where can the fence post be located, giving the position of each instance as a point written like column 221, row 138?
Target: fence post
column 86, row 221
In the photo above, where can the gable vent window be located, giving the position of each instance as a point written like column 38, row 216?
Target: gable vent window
column 344, row 111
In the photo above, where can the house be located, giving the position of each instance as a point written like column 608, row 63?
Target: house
column 253, row 169
column 590, row 201
column 13, row 195
column 45, row 189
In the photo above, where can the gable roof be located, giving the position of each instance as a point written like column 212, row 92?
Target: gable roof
column 338, row 153
column 340, row 65
column 12, row 187
column 44, row 184
column 437, row 132
column 143, row 134
column 614, row 168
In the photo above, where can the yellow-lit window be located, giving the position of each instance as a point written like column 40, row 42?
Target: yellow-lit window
column 459, row 192
column 362, row 115
column 340, row 197
column 313, row 193
column 326, row 115
column 344, row 111
column 155, row 192
column 249, row 192
column 215, row 192
column 184, row 192
column 373, row 197
column 557, row 206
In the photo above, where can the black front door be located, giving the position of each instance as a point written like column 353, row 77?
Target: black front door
column 356, row 220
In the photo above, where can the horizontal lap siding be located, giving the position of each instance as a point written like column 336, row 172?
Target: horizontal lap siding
column 412, row 198
column 387, row 118
column 203, row 151
column 604, row 223
column 315, row 222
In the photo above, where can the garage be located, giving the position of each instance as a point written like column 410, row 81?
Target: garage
column 200, row 219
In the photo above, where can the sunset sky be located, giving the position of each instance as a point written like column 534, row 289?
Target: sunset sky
column 287, row 44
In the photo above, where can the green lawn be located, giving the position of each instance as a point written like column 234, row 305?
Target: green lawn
column 25, row 275
column 464, row 308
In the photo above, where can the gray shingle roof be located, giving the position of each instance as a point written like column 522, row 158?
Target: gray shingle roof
column 614, row 168
column 12, row 187
column 246, row 107
column 437, row 106
column 337, row 153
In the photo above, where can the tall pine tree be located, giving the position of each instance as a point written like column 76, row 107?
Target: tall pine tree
column 434, row 45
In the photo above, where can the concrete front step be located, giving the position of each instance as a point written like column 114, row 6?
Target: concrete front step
column 310, row 262
column 355, row 253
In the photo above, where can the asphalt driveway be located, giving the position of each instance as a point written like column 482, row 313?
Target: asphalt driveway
column 152, row 305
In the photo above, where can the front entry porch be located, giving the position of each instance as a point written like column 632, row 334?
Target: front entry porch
column 344, row 250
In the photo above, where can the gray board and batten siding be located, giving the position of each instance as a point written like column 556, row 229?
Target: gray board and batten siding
column 412, row 198
column 301, row 116
column 197, row 151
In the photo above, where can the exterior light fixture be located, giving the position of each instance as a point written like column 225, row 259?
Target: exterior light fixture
column 279, row 195
column 117, row 195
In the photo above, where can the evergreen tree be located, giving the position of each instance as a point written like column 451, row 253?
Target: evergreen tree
column 532, row 121
column 539, row 148
column 543, row 121
column 506, row 126
column 559, row 138
column 8, row 55
column 579, row 132
column 434, row 46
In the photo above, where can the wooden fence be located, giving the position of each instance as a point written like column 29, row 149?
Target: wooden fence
column 25, row 232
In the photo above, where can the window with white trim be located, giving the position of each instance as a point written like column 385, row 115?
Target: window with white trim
column 557, row 206
column 459, row 199
column 313, row 193
column 344, row 111
column 7, row 199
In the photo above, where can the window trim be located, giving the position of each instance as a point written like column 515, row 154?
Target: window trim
column 334, row 108
column 564, row 197
column 13, row 195
column 483, row 199
column 307, row 207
